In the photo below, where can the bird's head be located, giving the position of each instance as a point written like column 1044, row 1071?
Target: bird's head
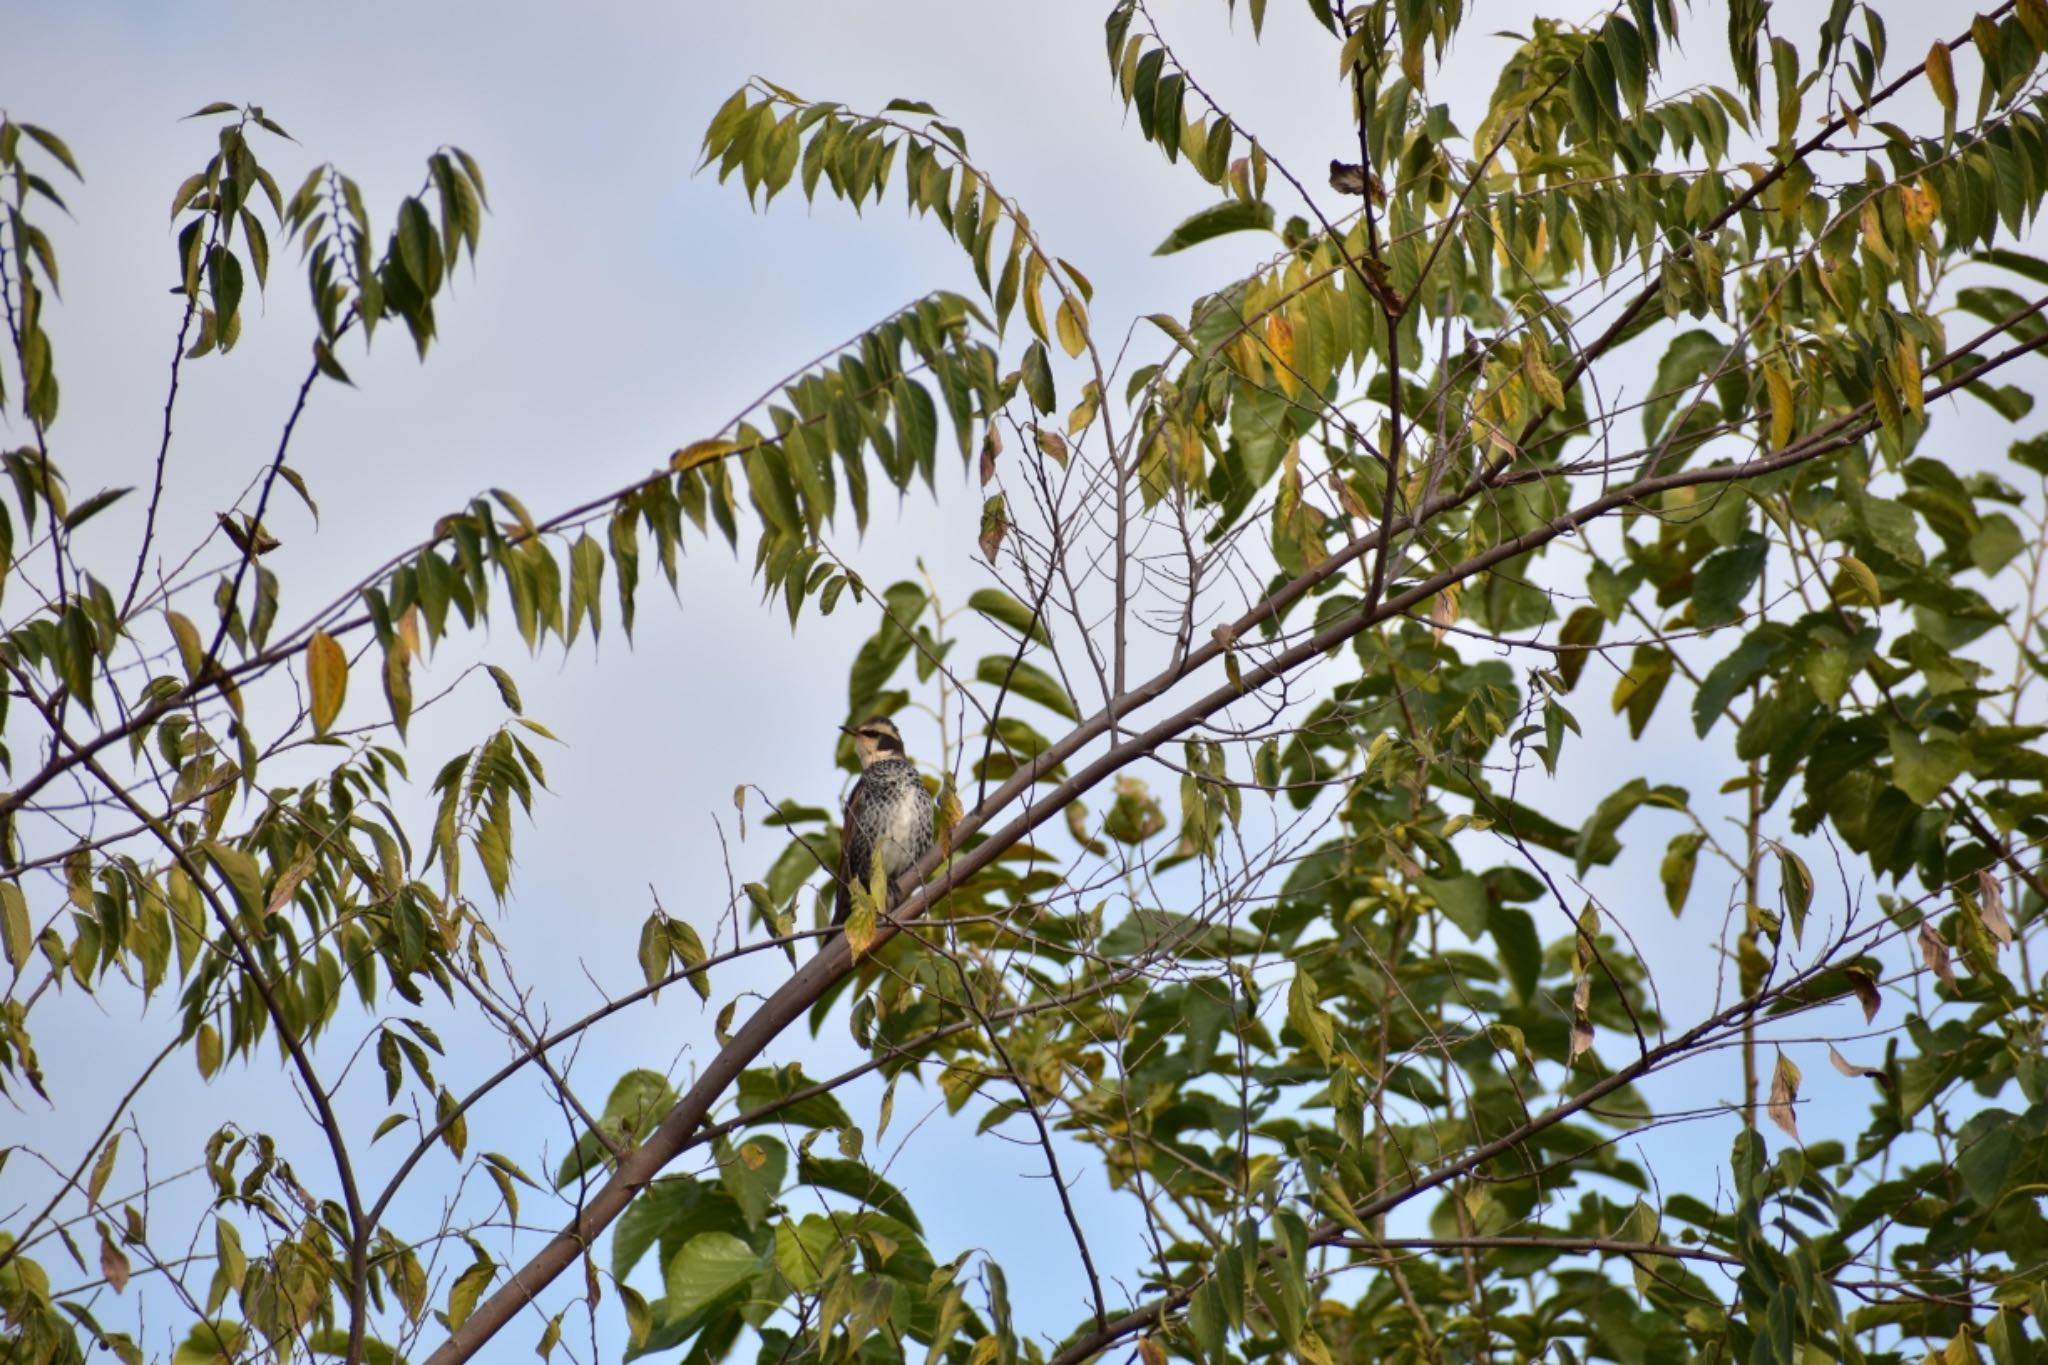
column 874, row 739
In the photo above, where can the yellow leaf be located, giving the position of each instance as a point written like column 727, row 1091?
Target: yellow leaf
column 1985, row 35
column 860, row 920
column 702, row 452
column 1941, row 74
column 14, row 926
column 1072, row 323
column 1542, row 380
column 327, row 676
column 1443, row 610
column 1782, row 407
column 1916, row 207
column 190, row 650
column 1280, row 339
column 208, row 1047
column 1856, row 575
column 1034, row 309
column 1871, row 220
column 1909, row 377
column 2033, row 16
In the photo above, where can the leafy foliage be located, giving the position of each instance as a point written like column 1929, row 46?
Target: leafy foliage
column 1376, row 1084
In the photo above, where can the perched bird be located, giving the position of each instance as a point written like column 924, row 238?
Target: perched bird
column 1349, row 178
column 888, row 817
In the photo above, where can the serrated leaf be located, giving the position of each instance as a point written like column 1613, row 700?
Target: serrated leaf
column 1941, row 76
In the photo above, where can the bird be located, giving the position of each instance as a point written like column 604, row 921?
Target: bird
column 888, row 817
column 1349, row 178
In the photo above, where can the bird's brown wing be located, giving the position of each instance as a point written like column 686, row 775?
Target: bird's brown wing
column 854, row 853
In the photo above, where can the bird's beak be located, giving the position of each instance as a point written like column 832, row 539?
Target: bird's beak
column 846, row 729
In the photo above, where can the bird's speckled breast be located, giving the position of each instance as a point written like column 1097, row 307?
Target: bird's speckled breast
column 899, row 814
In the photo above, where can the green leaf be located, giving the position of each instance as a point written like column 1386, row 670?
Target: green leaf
column 14, row 925
column 1649, row 670
column 468, row 1288
column 858, row 1182
column 708, row 1269
column 1309, row 1019
column 508, row 691
column 211, row 1343
column 1618, row 806
column 1232, row 215
column 688, row 948
column 1923, row 768
column 94, row 505
column 1691, row 357
column 1462, row 899
column 1037, row 372
column 240, row 872
column 1734, row 673
column 1726, row 578
column 333, row 1341
column 1521, row 951
column 1681, row 857
column 752, row 1172
column 763, row 1087
column 398, row 684
column 1006, row 610
column 1795, row 887
column 1027, row 680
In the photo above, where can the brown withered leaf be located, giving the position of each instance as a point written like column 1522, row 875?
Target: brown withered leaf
column 1784, row 1091
column 1934, row 952
column 247, row 534
column 113, row 1261
column 1052, row 443
column 1443, row 610
column 1582, row 1040
column 1865, row 987
column 991, row 446
column 1991, row 907
column 995, row 524
column 1849, row 1068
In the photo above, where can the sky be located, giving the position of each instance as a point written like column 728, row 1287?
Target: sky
column 622, row 306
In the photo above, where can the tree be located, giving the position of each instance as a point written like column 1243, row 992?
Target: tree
column 1347, row 552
